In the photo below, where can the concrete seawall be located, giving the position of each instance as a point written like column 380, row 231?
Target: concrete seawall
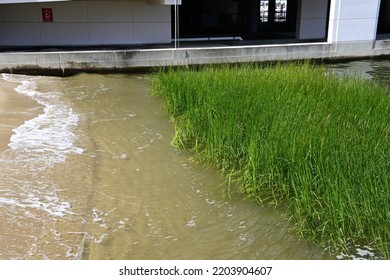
column 67, row 62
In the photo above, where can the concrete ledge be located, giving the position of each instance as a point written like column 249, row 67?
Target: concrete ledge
column 62, row 62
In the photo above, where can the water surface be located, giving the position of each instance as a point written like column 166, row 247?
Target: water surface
column 94, row 177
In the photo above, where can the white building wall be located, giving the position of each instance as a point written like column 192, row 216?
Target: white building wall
column 312, row 19
column 353, row 20
column 85, row 23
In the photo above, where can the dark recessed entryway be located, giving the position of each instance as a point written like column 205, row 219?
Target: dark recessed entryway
column 248, row 19
column 384, row 18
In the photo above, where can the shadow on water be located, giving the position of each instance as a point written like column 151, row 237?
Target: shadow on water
column 373, row 69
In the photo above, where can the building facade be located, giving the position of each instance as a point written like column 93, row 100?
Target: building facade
column 130, row 22
column 80, row 23
column 265, row 30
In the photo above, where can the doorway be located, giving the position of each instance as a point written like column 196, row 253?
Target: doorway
column 248, row 19
column 384, row 18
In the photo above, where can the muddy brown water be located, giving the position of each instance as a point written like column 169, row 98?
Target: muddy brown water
column 94, row 176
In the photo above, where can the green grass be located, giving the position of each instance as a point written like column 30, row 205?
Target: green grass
column 296, row 135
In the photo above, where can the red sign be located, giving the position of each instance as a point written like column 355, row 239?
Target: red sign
column 47, row 14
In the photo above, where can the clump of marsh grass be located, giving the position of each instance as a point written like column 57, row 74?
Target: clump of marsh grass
column 293, row 134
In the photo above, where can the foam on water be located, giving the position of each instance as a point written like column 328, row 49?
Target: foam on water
column 52, row 206
column 49, row 136
column 37, row 145
column 29, row 196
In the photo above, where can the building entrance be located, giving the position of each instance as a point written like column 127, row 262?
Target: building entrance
column 249, row 19
column 384, row 18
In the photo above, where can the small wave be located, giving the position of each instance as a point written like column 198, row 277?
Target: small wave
column 53, row 206
column 35, row 146
column 49, row 137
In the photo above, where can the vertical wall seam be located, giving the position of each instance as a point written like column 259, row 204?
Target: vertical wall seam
column 132, row 21
column 88, row 22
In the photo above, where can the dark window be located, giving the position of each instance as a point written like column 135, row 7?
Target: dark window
column 276, row 9
column 384, row 17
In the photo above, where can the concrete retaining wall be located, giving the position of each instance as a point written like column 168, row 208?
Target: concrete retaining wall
column 65, row 62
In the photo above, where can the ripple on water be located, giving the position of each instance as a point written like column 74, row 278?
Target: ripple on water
column 33, row 195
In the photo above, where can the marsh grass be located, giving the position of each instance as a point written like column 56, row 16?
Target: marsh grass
column 293, row 134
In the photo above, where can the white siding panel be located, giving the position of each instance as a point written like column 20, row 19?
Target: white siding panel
column 358, row 9
column 151, row 13
column 11, row 34
column 85, row 23
column 74, row 11
column 146, row 32
column 312, row 19
column 103, row 11
column 353, row 20
column 314, row 8
column 312, row 28
column 64, row 34
column 357, row 30
column 111, row 33
column 15, row 13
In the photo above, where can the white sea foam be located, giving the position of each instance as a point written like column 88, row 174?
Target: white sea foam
column 49, row 137
column 31, row 193
column 36, row 145
column 54, row 207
